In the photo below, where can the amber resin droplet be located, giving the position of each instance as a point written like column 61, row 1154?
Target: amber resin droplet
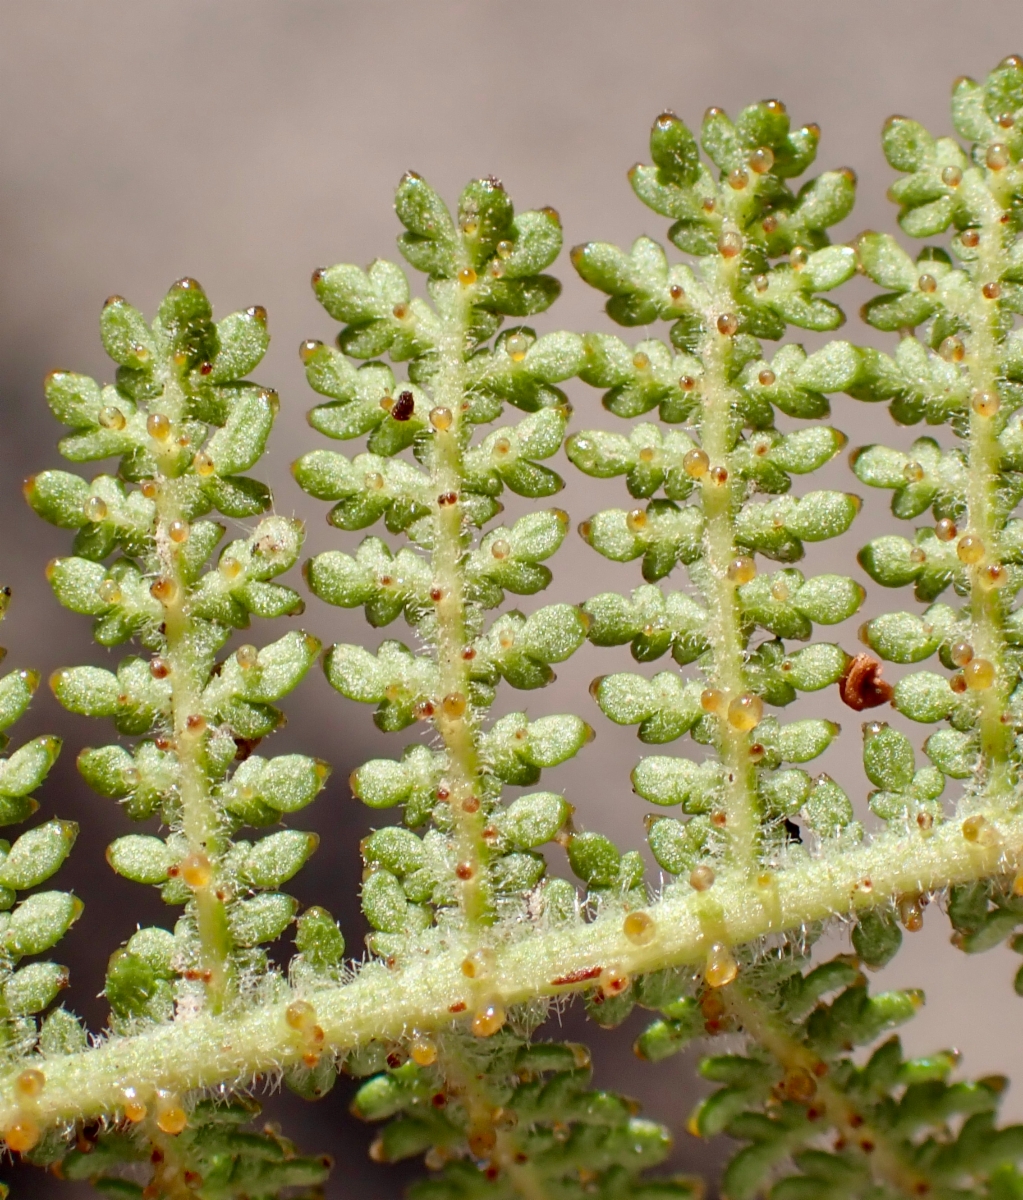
column 158, row 426
column 466, row 276
column 423, row 1050
column 195, row 869
column 111, row 418
column 911, row 914
column 945, row 530
column 614, row 981
column 970, row 549
column 960, row 653
column 979, row 674
column 171, row 1119
column 741, row 569
column 745, row 712
column 727, row 324
column 721, row 967
column 972, row 827
column 639, row 928
column 246, row 657
column 985, row 404
column 203, row 464
column 696, row 463
column 488, row 1020
column 729, row 245
column 30, row 1082
column 95, row 509
column 22, row 1135
column 135, row 1109
column 163, row 589
column 701, row 877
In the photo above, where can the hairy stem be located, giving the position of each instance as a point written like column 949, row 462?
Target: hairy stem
column 987, row 632
column 384, row 1004
column 200, row 820
column 719, row 502
column 454, row 718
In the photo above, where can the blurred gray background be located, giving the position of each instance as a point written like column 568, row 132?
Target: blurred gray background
column 246, row 142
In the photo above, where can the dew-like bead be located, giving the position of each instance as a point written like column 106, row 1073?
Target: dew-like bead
column 912, row 472
column 911, row 914
column 985, row 404
column 423, row 1050
column 149, row 488
column 171, row 1119
column 246, row 657
column 614, row 981
column 780, row 590
column 713, row 700
column 761, row 160
column 701, row 877
column 163, row 589
column 178, row 531
column 729, row 245
column 696, row 463
column 203, row 464
column 639, row 928
column 466, row 276
column 997, row 157
column 918, row 555
column 991, row 291
column 230, row 567
column 374, row 481
column 647, row 454
column 479, row 964
column 952, row 349
column 505, row 248
column 109, row 591
column 111, row 417
column 453, row 705
column 22, row 1135
column 945, row 530
column 799, row 1085
column 761, row 282
column 300, row 1015
column 972, row 827
column 727, row 324
column 741, row 569
column 960, row 653
column 195, row 870
column 721, row 967
column 95, row 509
column 516, row 345
column 158, row 426
column 970, row 549
column 927, row 283
column 951, row 177
column 488, row 1020
column 970, row 238
column 738, row 179
column 745, row 712
column 135, row 1110
column 641, row 361
column 636, row 520
column 979, row 674
column 441, row 418
column 799, row 257
column 30, row 1082
column 500, row 548
column 767, row 377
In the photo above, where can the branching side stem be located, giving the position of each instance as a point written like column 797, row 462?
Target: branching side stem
column 200, row 821
column 455, row 719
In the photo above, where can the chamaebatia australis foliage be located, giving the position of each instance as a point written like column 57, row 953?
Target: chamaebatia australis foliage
column 476, row 925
